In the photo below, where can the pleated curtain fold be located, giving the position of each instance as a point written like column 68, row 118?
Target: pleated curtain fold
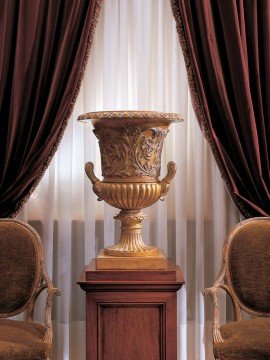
column 44, row 45
column 226, row 46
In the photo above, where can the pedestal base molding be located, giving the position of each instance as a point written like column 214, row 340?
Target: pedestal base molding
column 106, row 262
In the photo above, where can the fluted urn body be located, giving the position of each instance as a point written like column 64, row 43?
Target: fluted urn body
column 130, row 145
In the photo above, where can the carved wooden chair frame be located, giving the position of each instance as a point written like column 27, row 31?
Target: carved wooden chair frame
column 41, row 282
column 224, row 281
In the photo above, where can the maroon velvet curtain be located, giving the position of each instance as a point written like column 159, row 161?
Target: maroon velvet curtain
column 43, row 51
column 226, row 45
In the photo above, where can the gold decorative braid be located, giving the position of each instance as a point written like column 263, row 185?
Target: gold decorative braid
column 197, row 104
column 67, row 115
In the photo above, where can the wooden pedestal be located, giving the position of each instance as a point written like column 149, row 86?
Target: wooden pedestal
column 131, row 314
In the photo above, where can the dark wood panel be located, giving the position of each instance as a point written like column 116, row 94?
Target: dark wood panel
column 131, row 319
column 130, row 332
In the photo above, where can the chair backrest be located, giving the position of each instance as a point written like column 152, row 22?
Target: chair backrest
column 247, row 259
column 21, row 253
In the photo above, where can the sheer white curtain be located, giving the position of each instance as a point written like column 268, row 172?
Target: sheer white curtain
column 136, row 63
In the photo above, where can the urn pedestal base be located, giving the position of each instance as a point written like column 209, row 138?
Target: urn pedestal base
column 106, row 262
column 131, row 314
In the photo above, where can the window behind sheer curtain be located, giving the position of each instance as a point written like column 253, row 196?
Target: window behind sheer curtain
column 137, row 65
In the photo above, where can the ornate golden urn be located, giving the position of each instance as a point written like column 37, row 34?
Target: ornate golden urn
column 131, row 144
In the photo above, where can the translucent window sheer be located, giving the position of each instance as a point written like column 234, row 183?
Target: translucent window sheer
column 136, row 63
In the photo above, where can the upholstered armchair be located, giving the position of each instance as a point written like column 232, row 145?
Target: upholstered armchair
column 22, row 278
column 245, row 276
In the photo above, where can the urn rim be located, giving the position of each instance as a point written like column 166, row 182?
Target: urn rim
column 166, row 117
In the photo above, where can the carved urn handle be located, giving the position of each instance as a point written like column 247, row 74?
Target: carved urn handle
column 166, row 181
column 89, row 169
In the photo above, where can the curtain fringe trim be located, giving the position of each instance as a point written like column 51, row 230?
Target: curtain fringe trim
column 197, row 104
column 90, row 39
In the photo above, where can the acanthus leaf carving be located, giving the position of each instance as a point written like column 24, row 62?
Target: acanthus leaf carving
column 131, row 151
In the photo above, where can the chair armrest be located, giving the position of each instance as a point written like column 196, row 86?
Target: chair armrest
column 52, row 291
column 212, row 292
column 48, row 311
column 31, row 308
